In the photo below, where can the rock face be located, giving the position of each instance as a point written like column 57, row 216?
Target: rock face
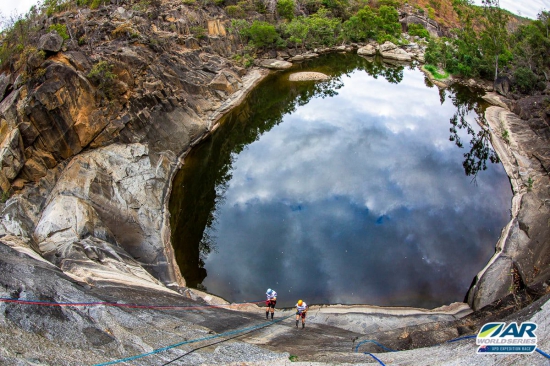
column 101, row 216
column 50, row 42
column 522, row 255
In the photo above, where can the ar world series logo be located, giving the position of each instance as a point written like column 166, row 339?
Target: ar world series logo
column 499, row 338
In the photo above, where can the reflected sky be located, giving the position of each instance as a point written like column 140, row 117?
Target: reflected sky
column 357, row 198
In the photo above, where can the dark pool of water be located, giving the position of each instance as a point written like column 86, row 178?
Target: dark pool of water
column 347, row 191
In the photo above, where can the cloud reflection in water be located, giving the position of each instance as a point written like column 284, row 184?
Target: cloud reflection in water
column 359, row 198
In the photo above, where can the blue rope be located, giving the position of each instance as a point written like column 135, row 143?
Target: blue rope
column 158, row 350
column 449, row 341
column 372, row 341
column 459, row 339
column 376, row 358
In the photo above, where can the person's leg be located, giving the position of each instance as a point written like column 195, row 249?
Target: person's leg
column 303, row 320
column 273, row 309
column 267, row 311
column 297, row 318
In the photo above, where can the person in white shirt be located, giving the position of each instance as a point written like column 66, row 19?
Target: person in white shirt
column 270, row 302
column 301, row 310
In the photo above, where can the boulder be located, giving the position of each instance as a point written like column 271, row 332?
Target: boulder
column 50, row 42
column 368, row 50
column 502, row 85
column 226, row 81
column 122, row 14
column 12, row 155
column 6, row 83
column 387, row 47
column 275, row 64
column 303, row 76
column 396, row 54
column 297, row 58
column 309, row 55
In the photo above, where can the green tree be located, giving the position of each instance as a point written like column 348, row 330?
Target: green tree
column 418, row 30
column 262, row 34
column 389, row 18
column 297, row 31
column 494, row 36
column 285, row 8
column 323, row 30
column 360, row 27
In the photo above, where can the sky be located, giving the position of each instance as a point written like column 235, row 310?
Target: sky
column 351, row 187
column 527, row 8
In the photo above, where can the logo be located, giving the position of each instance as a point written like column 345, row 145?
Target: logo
column 499, row 338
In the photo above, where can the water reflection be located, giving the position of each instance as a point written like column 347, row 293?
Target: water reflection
column 357, row 197
column 475, row 160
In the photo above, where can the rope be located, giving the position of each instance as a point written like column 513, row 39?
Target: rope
column 133, row 306
column 460, row 339
column 158, row 350
column 449, row 341
column 372, row 341
column 376, row 358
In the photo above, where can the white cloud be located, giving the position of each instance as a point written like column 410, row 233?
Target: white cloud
column 8, row 8
column 528, row 8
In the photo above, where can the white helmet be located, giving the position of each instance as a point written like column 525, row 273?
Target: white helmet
column 269, row 291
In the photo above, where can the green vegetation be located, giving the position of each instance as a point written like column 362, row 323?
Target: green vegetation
column 418, row 30
column 484, row 47
column 285, row 8
column 435, row 72
column 5, row 196
column 483, row 44
column 60, row 29
column 103, row 77
column 530, row 184
column 505, row 136
column 293, row 358
column 261, row 34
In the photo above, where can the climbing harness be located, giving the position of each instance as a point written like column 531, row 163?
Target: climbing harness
column 158, row 350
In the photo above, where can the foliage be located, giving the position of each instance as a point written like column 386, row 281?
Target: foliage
column 198, row 31
column 418, row 30
column 261, row 34
column 235, row 11
column 102, row 75
column 55, row 6
column 245, row 60
column 5, row 196
column 435, row 72
column 382, row 24
column 296, row 31
column 525, row 79
column 322, row 28
column 285, row 8
column 505, row 136
column 60, row 29
column 97, row 3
